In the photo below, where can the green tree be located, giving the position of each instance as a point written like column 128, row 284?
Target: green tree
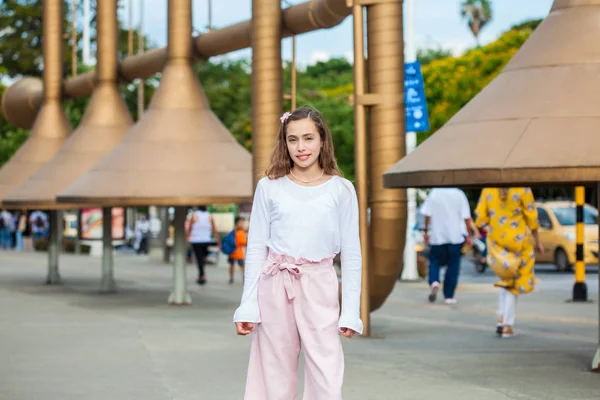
column 328, row 74
column 527, row 25
column 11, row 138
column 477, row 13
column 227, row 85
column 21, row 38
column 426, row 56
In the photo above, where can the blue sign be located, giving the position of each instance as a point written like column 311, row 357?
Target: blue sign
column 417, row 118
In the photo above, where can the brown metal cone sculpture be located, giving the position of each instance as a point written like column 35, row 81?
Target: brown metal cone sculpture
column 105, row 121
column 22, row 99
column 179, row 153
column 536, row 123
column 51, row 127
column 19, row 106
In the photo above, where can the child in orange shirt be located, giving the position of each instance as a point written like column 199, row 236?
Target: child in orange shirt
column 238, row 255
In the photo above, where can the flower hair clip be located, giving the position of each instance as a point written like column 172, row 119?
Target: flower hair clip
column 285, row 116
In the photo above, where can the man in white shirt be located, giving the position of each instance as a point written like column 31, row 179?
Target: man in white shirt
column 447, row 220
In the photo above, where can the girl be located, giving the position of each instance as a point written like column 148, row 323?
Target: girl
column 512, row 221
column 303, row 214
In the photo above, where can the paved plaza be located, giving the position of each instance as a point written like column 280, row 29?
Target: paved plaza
column 71, row 342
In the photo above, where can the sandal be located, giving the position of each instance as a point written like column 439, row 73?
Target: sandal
column 508, row 332
column 499, row 326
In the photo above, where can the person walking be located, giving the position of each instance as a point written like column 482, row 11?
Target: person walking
column 40, row 226
column 142, row 231
column 201, row 228
column 304, row 214
column 7, row 228
column 21, row 228
column 511, row 218
column 447, row 223
column 239, row 240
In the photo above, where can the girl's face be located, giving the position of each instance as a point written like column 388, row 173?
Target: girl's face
column 303, row 142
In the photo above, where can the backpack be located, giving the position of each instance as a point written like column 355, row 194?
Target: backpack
column 228, row 245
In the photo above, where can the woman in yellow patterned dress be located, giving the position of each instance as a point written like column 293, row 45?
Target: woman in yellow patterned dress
column 511, row 219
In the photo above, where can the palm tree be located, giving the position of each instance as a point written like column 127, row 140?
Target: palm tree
column 477, row 13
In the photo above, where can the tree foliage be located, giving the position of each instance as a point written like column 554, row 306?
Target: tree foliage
column 21, row 38
column 11, row 138
column 531, row 25
column 427, row 56
column 477, row 13
column 228, row 88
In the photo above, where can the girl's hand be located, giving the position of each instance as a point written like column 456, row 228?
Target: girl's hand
column 244, row 328
column 347, row 332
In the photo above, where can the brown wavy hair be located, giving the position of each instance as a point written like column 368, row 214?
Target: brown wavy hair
column 282, row 163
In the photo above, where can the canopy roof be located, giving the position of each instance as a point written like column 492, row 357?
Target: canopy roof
column 104, row 123
column 537, row 123
column 179, row 153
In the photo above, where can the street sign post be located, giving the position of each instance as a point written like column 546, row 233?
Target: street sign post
column 417, row 117
column 417, row 120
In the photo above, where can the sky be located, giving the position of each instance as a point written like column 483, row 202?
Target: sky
column 437, row 24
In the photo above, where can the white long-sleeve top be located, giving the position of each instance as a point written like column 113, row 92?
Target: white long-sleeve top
column 313, row 222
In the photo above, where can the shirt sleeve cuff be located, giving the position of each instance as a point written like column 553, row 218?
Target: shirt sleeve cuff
column 247, row 313
column 351, row 322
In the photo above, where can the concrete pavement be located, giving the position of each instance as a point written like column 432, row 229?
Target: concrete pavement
column 72, row 342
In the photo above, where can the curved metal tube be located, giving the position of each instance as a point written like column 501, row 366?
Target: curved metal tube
column 386, row 146
column 21, row 102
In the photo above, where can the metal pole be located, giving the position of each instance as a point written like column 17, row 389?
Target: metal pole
column 74, row 38
column 86, row 32
column 179, row 295
column 596, row 360
column 155, row 248
column 108, row 280
column 130, row 31
column 78, row 235
column 267, row 92
column 292, row 95
column 140, row 91
column 360, row 149
column 164, row 233
column 210, row 26
column 52, row 75
column 53, row 248
column 580, row 287
column 386, row 144
column 409, row 270
column 294, row 87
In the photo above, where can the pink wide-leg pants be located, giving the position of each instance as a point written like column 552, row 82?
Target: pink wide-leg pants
column 299, row 308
